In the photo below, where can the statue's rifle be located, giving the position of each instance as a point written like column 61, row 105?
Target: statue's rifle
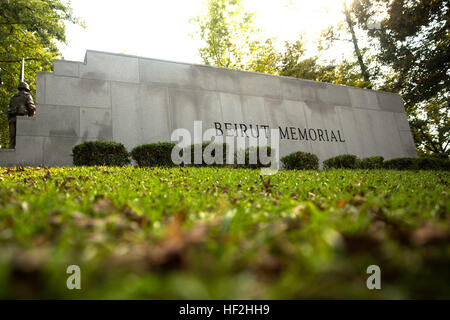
column 22, row 70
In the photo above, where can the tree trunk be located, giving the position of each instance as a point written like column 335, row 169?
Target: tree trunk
column 358, row 54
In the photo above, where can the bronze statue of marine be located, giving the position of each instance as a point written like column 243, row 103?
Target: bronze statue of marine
column 21, row 104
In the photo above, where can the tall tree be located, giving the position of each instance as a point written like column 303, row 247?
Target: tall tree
column 294, row 64
column 29, row 28
column 414, row 41
column 346, row 31
column 359, row 56
column 231, row 40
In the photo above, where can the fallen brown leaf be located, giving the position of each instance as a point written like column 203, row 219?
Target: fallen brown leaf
column 104, row 205
column 342, row 203
column 358, row 201
column 429, row 234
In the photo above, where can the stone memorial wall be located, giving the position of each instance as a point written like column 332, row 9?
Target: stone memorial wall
column 136, row 100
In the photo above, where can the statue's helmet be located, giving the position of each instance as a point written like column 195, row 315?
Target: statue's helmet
column 23, row 86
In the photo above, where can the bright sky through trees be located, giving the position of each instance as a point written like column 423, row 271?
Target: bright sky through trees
column 161, row 29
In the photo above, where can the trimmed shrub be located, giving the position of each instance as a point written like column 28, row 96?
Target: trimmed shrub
column 433, row 163
column 437, row 155
column 371, row 163
column 252, row 153
column 100, row 153
column 191, row 150
column 423, row 163
column 300, row 161
column 345, row 161
column 401, row 164
column 154, row 154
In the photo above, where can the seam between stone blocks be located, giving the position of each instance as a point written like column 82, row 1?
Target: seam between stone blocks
column 169, row 110
column 66, row 106
column 45, row 89
column 43, row 150
column 112, row 111
column 338, row 115
column 307, row 126
column 57, row 136
column 79, row 121
column 139, row 69
column 106, row 107
column 45, row 100
column 221, row 108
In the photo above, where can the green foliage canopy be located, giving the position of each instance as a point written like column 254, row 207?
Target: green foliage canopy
column 231, row 40
column 33, row 29
column 414, row 41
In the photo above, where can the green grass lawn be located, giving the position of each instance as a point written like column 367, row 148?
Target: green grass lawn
column 207, row 233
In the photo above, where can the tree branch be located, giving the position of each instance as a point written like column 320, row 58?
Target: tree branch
column 14, row 61
column 17, row 23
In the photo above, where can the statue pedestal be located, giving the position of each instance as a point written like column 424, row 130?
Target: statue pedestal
column 7, row 157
